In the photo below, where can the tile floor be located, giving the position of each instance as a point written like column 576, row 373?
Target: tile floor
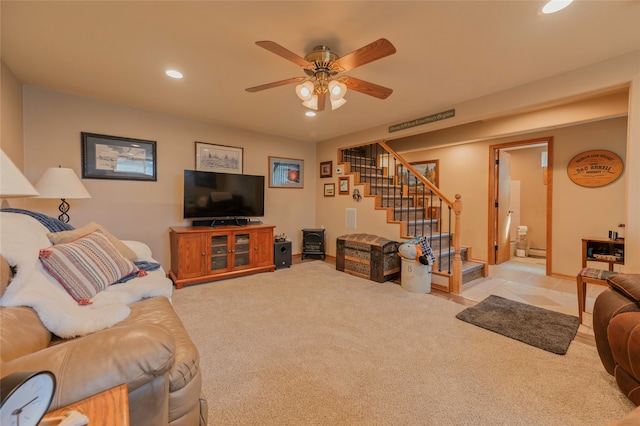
column 524, row 280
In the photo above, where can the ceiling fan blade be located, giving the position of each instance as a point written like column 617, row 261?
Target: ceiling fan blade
column 274, row 47
column 367, row 88
column 322, row 100
column 369, row 53
column 274, row 84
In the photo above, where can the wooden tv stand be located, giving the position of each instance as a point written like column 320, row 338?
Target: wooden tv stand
column 201, row 253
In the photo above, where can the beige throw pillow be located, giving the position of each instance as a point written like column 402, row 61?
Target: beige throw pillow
column 86, row 266
column 67, row 236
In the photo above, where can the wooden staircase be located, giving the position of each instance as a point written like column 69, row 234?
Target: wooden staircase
column 417, row 206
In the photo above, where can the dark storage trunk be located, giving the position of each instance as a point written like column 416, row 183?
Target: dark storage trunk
column 368, row 256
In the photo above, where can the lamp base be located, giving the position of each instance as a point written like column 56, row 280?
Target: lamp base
column 64, row 208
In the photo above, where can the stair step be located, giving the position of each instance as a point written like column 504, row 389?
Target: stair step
column 377, row 179
column 362, row 161
column 365, row 169
column 402, row 213
column 390, row 201
column 385, row 190
column 355, row 153
column 422, row 227
column 471, row 271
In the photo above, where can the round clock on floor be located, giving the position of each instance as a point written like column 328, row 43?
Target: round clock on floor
column 26, row 396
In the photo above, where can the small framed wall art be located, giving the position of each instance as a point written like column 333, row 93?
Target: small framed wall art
column 343, row 185
column 329, row 189
column 286, row 173
column 115, row 157
column 218, row 158
column 326, row 169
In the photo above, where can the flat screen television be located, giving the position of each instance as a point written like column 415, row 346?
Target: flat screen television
column 209, row 195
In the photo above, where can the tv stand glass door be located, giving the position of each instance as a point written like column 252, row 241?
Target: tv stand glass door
column 240, row 250
column 219, row 252
column 230, row 249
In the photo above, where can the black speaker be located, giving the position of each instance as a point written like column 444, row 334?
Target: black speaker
column 282, row 254
column 226, row 221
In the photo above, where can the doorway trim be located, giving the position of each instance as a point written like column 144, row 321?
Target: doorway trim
column 493, row 180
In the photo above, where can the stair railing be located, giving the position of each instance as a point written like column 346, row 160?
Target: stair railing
column 398, row 183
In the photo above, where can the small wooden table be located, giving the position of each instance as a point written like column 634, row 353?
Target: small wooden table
column 589, row 276
column 108, row 408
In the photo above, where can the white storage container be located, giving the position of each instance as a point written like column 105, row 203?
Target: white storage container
column 415, row 276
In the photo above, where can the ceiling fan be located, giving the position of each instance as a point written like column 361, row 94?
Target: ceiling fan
column 324, row 68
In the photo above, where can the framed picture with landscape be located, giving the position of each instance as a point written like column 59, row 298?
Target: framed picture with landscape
column 115, row 157
column 429, row 169
column 329, row 189
column 218, row 158
column 286, row 173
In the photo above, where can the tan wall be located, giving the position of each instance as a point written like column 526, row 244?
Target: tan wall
column 145, row 210
column 11, row 136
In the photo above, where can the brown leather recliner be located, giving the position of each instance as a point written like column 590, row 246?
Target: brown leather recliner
column 616, row 325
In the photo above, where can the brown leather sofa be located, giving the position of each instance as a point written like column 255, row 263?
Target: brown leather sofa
column 150, row 351
column 616, row 325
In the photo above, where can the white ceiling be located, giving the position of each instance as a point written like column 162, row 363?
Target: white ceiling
column 447, row 52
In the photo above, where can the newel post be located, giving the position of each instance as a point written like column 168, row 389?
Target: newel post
column 456, row 284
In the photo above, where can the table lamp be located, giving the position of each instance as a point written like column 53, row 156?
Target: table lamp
column 63, row 183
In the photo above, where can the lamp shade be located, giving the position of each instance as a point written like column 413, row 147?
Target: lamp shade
column 312, row 103
column 13, row 184
column 337, row 90
column 305, row 91
column 335, row 104
column 59, row 182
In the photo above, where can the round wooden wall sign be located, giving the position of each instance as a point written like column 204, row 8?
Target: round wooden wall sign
column 595, row 168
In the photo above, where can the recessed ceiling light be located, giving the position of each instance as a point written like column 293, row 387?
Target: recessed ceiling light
column 310, row 114
column 173, row 73
column 554, row 6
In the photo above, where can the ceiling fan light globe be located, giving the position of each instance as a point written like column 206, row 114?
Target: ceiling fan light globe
column 305, row 91
column 337, row 103
column 312, row 103
column 337, row 90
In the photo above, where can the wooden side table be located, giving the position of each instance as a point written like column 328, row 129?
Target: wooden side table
column 108, row 408
column 593, row 247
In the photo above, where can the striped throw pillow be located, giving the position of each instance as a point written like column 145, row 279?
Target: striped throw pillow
column 86, row 266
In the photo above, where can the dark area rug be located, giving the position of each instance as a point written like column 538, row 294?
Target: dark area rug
column 542, row 328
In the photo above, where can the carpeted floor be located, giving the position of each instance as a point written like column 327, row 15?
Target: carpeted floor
column 313, row 346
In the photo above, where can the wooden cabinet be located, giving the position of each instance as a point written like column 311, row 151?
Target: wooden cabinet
column 603, row 250
column 200, row 254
